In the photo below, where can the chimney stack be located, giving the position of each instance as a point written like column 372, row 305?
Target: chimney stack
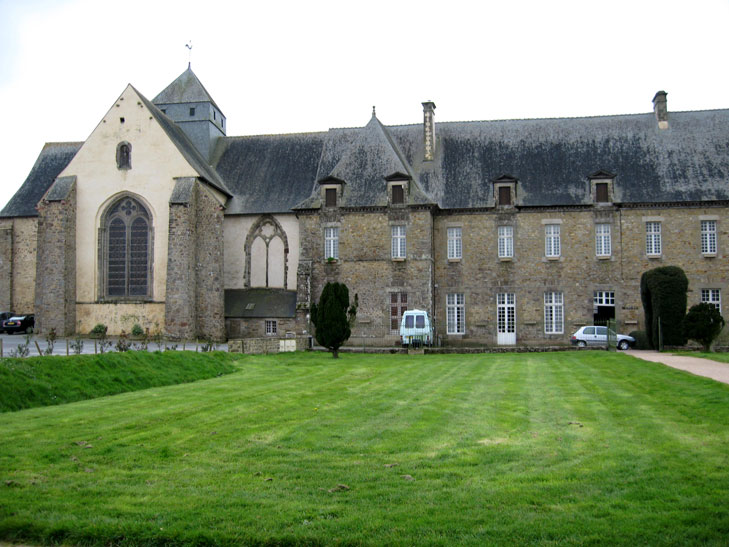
column 429, row 130
column 660, row 107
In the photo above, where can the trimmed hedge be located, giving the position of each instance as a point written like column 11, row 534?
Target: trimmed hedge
column 663, row 292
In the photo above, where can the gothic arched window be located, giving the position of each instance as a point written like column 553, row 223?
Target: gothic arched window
column 124, row 155
column 126, row 250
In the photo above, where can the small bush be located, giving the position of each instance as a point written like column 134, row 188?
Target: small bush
column 123, row 343
column 641, row 339
column 137, row 330
column 99, row 330
column 703, row 323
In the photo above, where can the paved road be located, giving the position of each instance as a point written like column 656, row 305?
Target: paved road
column 9, row 344
column 695, row 365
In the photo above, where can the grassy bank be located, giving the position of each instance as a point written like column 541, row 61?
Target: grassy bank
column 563, row 448
column 54, row 380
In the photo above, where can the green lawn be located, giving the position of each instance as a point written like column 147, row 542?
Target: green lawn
column 713, row 356
column 552, row 448
column 55, row 380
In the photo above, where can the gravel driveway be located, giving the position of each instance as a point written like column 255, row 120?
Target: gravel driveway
column 695, row 365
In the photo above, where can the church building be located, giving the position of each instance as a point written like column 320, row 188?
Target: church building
column 506, row 232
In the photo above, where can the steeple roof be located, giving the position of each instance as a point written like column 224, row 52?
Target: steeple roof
column 187, row 88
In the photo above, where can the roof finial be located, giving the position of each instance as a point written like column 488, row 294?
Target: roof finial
column 373, row 112
column 188, row 45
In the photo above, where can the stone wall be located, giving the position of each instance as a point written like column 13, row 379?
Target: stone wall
column 195, row 296
column 237, row 327
column 577, row 273
column 365, row 263
column 210, row 303
column 180, row 316
column 6, row 265
column 55, row 291
column 265, row 345
column 25, row 239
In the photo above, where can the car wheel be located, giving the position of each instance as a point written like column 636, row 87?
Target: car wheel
column 581, row 343
column 623, row 344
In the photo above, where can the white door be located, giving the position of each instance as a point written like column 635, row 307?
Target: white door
column 506, row 319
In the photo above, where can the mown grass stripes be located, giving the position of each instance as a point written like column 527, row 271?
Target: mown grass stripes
column 564, row 448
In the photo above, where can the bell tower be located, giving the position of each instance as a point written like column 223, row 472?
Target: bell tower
column 187, row 103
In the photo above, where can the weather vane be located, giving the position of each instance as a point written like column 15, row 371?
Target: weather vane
column 188, row 45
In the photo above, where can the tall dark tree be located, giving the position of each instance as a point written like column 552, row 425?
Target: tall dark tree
column 703, row 323
column 333, row 316
column 663, row 292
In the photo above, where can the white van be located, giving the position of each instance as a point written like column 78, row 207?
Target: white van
column 415, row 329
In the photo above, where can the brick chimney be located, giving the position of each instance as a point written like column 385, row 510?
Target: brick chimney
column 429, row 130
column 660, row 107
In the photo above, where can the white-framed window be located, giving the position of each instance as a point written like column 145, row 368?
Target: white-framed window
column 708, row 237
column 551, row 240
column 456, row 313
column 553, row 312
column 331, row 242
column 604, row 298
column 603, row 243
column 506, row 241
column 271, row 327
column 398, row 241
column 653, row 238
column 711, row 296
column 455, row 246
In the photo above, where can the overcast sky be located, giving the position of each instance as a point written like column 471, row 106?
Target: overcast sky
column 294, row 66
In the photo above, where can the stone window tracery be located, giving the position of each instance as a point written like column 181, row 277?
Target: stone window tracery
column 126, row 253
column 266, row 255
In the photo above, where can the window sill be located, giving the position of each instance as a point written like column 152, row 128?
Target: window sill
column 334, row 261
column 654, row 257
column 553, row 258
column 394, row 259
column 505, row 259
column 454, row 260
column 604, row 257
column 708, row 255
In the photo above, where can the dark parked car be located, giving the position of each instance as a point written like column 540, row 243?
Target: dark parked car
column 19, row 323
column 3, row 316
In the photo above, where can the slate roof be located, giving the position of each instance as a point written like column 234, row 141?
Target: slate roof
column 552, row 160
column 273, row 303
column 269, row 173
column 186, row 88
column 53, row 159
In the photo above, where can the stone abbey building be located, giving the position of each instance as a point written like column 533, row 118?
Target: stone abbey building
column 507, row 232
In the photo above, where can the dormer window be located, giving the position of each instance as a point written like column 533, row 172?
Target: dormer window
column 504, row 195
column 124, row 155
column 397, row 188
column 398, row 194
column 330, row 197
column 505, row 191
column 601, row 187
column 192, row 111
column 601, row 192
column 331, row 189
